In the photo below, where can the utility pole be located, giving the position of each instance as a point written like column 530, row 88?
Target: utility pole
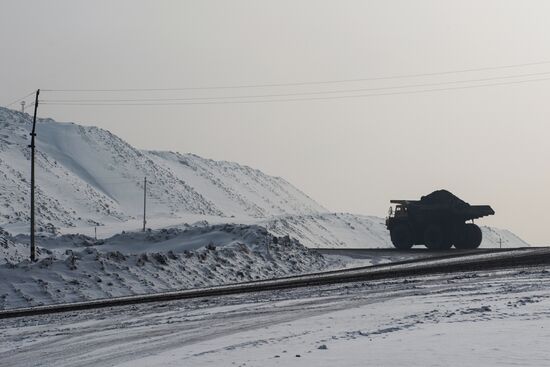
column 32, row 146
column 144, row 202
column 22, row 106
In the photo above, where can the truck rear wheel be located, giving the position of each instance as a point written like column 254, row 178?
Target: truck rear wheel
column 435, row 238
column 401, row 237
column 469, row 237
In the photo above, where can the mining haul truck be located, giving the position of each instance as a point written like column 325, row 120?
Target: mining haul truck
column 437, row 220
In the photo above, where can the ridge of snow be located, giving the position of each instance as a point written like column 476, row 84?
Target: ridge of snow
column 77, row 268
column 87, row 176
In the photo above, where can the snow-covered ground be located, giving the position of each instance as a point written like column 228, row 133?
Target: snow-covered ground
column 494, row 318
column 216, row 222
column 75, row 267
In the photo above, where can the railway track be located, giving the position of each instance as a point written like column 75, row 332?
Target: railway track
column 449, row 262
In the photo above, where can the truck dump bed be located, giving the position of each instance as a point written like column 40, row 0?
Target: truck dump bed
column 478, row 211
column 443, row 201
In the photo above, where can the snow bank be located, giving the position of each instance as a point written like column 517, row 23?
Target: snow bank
column 497, row 237
column 332, row 230
column 10, row 250
column 76, row 268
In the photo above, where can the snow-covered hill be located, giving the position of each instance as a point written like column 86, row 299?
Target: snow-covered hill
column 88, row 176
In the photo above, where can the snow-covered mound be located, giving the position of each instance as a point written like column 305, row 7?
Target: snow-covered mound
column 332, row 230
column 76, row 268
column 11, row 250
column 236, row 189
column 88, row 176
column 358, row 231
column 176, row 239
column 497, row 237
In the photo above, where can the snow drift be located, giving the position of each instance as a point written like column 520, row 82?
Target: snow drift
column 76, row 268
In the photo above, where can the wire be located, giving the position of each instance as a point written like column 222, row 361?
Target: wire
column 295, row 94
column 296, row 99
column 20, row 99
column 301, row 83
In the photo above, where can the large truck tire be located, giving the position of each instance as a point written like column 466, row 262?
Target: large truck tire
column 474, row 234
column 469, row 237
column 401, row 237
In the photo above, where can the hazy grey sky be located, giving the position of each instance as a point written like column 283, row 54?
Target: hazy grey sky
column 488, row 145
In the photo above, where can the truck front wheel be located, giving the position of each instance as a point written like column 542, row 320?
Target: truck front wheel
column 401, row 237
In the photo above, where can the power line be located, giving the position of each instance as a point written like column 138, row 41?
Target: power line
column 297, row 93
column 294, row 99
column 20, row 99
column 261, row 85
